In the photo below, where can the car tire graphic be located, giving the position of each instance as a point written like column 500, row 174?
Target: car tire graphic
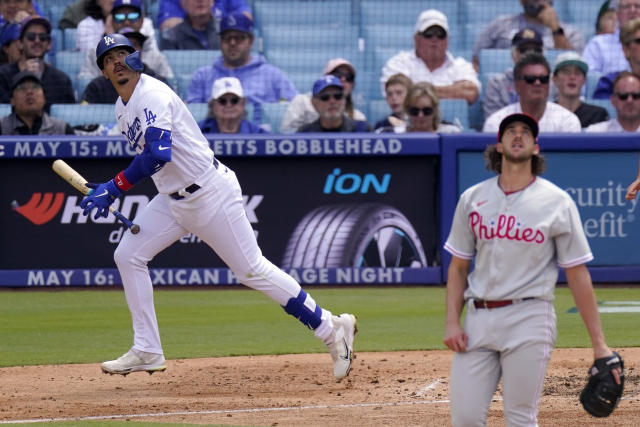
column 354, row 235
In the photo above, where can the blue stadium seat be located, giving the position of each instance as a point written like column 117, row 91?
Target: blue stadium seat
column 592, row 82
column 5, row 110
column 486, row 11
column 57, row 40
column 381, row 56
column 70, row 62
column 199, row 110
column 303, row 80
column 583, row 11
column 183, row 81
column 455, row 111
column 80, row 84
column 188, row 61
column 312, row 60
column 405, row 12
column 378, row 109
column 272, row 114
column 494, row 60
column 54, row 12
column 331, row 14
column 70, row 39
column 308, row 37
column 387, row 35
column 604, row 103
column 79, row 114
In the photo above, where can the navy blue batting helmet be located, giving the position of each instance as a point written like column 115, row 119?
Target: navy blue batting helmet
column 112, row 41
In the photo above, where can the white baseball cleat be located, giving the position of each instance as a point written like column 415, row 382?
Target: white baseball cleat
column 344, row 329
column 135, row 361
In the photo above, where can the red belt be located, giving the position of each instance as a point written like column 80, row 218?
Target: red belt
column 478, row 303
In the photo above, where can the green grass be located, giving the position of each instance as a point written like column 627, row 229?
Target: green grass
column 82, row 326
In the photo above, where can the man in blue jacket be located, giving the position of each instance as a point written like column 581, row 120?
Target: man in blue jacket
column 262, row 82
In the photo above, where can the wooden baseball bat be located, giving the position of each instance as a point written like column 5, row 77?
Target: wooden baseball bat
column 70, row 175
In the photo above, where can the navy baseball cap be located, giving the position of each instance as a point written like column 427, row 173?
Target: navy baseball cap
column 136, row 4
column 34, row 19
column 10, row 32
column 526, row 35
column 326, row 81
column 22, row 76
column 238, row 22
column 519, row 117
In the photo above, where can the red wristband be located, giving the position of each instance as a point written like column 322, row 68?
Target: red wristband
column 121, row 182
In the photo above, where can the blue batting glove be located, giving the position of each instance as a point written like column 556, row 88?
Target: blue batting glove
column 100, row 198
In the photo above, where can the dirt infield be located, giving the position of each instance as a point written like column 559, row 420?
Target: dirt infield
column 398, row 389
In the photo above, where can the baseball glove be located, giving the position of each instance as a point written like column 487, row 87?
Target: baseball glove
column 602, row 394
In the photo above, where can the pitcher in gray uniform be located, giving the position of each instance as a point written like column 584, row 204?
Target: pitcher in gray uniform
column 519, row 228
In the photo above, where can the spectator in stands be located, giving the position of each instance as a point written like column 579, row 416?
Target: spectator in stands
column 423, row 110
column 28, row 116
column 630, row 41
column 76, row 12
column 607, row 20
column 537, row 14
column 11, row 49
column 501, row 89
column 569, row 76
column 300, row 111
column 604, row 53
column 198, row 30
column 396, row 89
column 128, row 14
column 532, row 74
column 16, row 11
column 330, row 103
column 100, row 90
column 626, row 101
column 227, row 112
column 171, row 13
column 431, row 62
column 261, row 82
column 35, row 38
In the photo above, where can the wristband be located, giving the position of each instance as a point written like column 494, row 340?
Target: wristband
column 122, row 182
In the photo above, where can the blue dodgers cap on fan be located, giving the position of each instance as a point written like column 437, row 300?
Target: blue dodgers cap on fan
column 10, row 32
column 136, row 4
column 326, row 81
column 238, row 22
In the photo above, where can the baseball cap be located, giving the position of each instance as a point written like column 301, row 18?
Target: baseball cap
column 324, row 82
column 136, row 4
column 518, row 117
column 332, row 64
column 10, row 32
column 34, row 19
column 238, row 22
column 429, row 18
column 226, row 85
column 130, row 32
column 22, row 76
column 570, row 58
column 526, row 35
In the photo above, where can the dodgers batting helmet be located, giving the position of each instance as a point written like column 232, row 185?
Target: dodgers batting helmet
column 112, row 41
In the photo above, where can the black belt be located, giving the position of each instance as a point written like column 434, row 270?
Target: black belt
column 193, row 187
column 478, row 303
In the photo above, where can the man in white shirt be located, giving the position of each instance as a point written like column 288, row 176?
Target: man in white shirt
column 531, row 76
column 431, row 62
column 626, row 100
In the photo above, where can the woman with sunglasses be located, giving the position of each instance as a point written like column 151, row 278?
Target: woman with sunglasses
column 227, row 109
column 301, row 112
column 422, row 109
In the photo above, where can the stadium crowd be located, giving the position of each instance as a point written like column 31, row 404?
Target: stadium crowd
column 211, row 53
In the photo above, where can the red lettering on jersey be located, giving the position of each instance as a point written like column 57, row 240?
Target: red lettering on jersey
column 506, row 227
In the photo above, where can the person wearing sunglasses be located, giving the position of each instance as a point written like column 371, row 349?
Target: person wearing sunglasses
column 630, row 39
column 301, row 112
column 500, row 90
column 604, row 53
column 35, row 39
column 329, row 102
column 537, row 14
column 430, row 61
column 128, row 14
column 198, row 31
column 532, row 76
column 227, row 112
column 569, row 76
column 626, row 101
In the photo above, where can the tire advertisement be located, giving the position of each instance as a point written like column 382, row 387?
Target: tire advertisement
column 308, row 213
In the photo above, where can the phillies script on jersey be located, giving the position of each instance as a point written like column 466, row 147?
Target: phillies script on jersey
column 506, row 227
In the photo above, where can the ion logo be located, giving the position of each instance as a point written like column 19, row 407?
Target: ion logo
column 349, row 183
column 40, row 209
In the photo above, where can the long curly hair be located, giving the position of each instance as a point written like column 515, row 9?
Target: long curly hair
column 493, row 161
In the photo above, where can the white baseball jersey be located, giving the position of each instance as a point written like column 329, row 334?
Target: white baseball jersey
column 518, row 239
column 556, row 118
column 153, row 103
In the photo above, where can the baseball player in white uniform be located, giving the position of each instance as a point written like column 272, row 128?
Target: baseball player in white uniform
column 519, row 227
column 197, row 194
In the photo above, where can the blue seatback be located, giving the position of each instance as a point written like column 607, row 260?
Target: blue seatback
column 188, row 61
column 84, row 114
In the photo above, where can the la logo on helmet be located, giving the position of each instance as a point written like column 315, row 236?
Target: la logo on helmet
column 108, row 40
